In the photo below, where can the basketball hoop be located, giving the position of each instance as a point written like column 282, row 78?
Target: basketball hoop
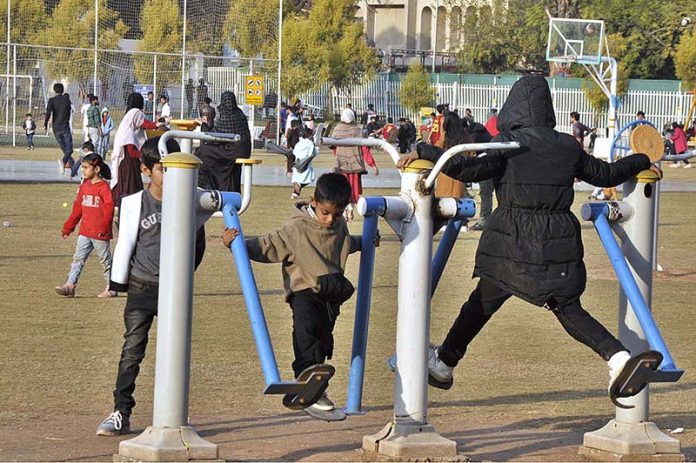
column 560, row 68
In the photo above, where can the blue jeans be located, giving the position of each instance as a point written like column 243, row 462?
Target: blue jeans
column 83, row 250
column 76, row 167
column 65, row 142
column 30, row 139
column 103, row 145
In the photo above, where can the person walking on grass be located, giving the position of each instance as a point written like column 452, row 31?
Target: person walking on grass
column 302, row 171
column 58, row 108
column 531, row 247
column 94, row 208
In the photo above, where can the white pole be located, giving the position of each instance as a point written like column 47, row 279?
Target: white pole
column 7, row 78
column 437, row 12
column 280, row 65
column 183, row 64
column 154, row 88
column 96, row 45
column 251, row 108
column 613, row 68
column 413, row 317
column 14, row 95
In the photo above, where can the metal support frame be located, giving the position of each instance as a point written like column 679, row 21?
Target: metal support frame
column 630, row 433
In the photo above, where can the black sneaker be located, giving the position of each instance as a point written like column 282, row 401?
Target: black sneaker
column 114, row 425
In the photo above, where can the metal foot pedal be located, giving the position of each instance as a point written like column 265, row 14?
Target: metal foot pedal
column 310, row 385
column 634, row 376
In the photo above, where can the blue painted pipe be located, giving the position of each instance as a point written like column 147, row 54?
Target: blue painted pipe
column 630, row 288
column 465, row 208
column 251, row 296
column 444, row 249
column 362, row 316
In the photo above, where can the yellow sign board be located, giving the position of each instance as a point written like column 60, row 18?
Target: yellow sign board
column 254, row 90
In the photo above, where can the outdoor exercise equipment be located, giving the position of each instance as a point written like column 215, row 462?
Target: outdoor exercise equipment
column 631, row 432
column 184, row 209
column 411, row 215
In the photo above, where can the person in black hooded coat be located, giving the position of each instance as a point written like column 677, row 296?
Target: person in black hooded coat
column 531, row 247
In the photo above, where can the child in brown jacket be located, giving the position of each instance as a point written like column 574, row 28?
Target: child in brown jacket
column 313, row 247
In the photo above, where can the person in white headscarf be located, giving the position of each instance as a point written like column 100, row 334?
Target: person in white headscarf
column 125, row 158
column 352, row 161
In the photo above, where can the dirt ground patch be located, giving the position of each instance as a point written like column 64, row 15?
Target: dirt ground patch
column 526, row 391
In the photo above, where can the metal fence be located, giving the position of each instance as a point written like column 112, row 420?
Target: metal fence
column 660, row 107
column 31, row 71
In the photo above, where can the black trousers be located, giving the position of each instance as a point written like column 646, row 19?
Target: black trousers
column 486, row 194
column 312, row 330
column 487, row 298
column 140, row 311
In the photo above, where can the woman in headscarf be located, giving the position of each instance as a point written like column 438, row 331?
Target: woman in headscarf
column 351, row 160
column 219, row 170
column 125, row 159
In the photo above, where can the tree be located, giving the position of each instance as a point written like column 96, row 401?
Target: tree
column 416, row 90
column 162, row 26
column 685, row 60
column 327, row 45
column 72, row 25
column 251, row 28
column 26, row 18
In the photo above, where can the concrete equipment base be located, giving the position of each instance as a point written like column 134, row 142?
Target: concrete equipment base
column 411, row 442
column 618, row 441
column 168, row 444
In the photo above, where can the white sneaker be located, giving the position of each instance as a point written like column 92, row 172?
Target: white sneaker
column 440, row 374
column 616, row 364
column 324, row 404
column 688, row 166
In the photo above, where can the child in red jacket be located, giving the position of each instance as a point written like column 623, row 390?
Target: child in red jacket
column 94, row 205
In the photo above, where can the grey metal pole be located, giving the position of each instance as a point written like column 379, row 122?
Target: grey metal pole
column 183, row 64
column 14, row 95
column 154, row 88
column 96, row 42
column 637, row 247
column 7, row 67
column 437, row 12
column 280, row 65
column 170, row 408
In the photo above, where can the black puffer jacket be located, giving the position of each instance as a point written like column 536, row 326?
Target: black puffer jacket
column 532, row 245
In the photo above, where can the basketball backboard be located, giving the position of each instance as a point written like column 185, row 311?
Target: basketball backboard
column 575, row 40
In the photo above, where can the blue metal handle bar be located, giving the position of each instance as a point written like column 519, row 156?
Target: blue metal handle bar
column 251, row 297
column 628, row 284
column 620, row 132
column 444, row 249
column 362, row 316
column 465, row 208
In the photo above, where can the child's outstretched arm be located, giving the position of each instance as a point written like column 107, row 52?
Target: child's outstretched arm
column 265, row 249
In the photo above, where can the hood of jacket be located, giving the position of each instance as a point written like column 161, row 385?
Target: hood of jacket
column 528, row 105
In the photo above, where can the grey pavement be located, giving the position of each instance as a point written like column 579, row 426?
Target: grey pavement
column 17, row 171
